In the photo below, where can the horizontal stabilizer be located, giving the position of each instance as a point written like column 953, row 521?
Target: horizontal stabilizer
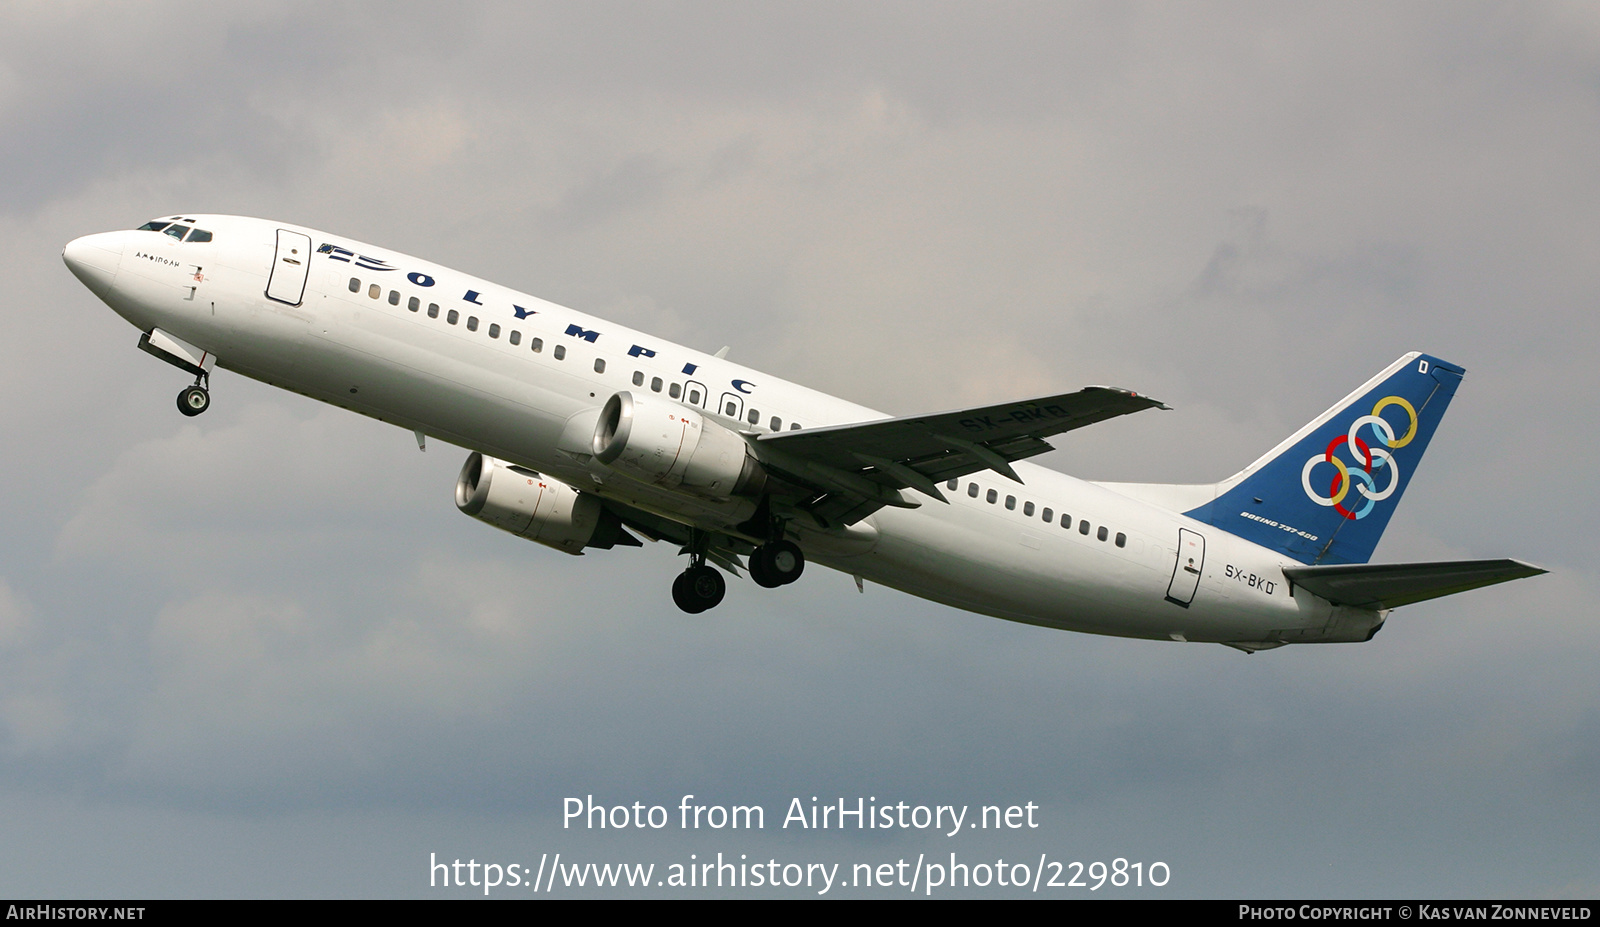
column 1391, row 585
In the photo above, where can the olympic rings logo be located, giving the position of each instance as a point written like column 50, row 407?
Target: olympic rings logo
column 1370, row 457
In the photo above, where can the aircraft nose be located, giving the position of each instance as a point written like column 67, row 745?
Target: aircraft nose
column 93, row 259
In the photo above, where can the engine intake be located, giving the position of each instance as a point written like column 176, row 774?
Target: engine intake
column 672, row 445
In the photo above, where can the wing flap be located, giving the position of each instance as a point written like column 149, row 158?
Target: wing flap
column 1391, row 585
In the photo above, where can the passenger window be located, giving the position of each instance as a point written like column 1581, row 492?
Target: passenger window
column 537, row 344
column 414, row 304
column 992, row 496
column 599, row 365
column 674, row 391
column 494, row 329
column 972, row 490
column 776, row 424
column 355, row 285
column 1027, row 509
column 655, row 384
column 754, row 416
column 952, row 484
column 1011, row 503
column 732, row 410
column 1101, row 534
column 453, row 317
column 515, row 337
column 374, row 291
column 394, row 297
column 560, row 352
column 472, row 323
column 1083, row 526
column 694, row 397
column 1045, row 515
column 1122, row 539
column 794, row 426
column 1066, row 521
column 638, row 378
column 433, row 310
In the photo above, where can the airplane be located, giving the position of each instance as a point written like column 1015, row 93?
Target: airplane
column 589, row 435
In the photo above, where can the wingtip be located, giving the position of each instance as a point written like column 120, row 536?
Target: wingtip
column 1133, row 394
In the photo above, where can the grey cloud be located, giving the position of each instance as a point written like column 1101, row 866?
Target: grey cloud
column 270, row 626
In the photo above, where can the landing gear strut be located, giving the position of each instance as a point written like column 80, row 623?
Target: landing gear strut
column 195, row 399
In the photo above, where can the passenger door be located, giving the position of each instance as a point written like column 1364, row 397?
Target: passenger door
column 290, row 264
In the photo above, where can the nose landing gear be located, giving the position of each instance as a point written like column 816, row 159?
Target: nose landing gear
column 195, row 399
column 188, row 358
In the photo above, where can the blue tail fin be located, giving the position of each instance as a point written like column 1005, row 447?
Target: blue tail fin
column 1326, row 493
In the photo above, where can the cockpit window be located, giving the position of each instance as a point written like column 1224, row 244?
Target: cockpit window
column 175, row 230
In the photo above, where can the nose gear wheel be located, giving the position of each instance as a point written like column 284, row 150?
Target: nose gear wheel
column 195, row 399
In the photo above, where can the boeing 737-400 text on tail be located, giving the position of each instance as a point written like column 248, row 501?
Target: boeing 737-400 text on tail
column 586, row 434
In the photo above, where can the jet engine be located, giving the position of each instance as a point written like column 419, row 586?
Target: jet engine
column 537, row 507
column 656, row 441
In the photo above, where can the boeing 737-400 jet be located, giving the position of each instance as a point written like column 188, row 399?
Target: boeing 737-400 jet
column 585, row 434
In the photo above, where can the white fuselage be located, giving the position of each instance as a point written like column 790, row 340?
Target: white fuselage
column 354, row 341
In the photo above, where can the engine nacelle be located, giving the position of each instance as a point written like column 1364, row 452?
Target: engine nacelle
column 537, row 507
column 671, row 445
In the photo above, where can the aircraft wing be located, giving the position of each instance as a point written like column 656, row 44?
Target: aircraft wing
column 1391, row 585
column 860, row 468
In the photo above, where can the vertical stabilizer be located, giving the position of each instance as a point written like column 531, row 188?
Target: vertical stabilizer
column 1325, row 494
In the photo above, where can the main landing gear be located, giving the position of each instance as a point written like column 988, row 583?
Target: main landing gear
column 777, row 564
column 701, row 586
column 195, row 399
column 698, row 588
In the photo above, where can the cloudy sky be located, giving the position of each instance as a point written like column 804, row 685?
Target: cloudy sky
column 259, row 653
